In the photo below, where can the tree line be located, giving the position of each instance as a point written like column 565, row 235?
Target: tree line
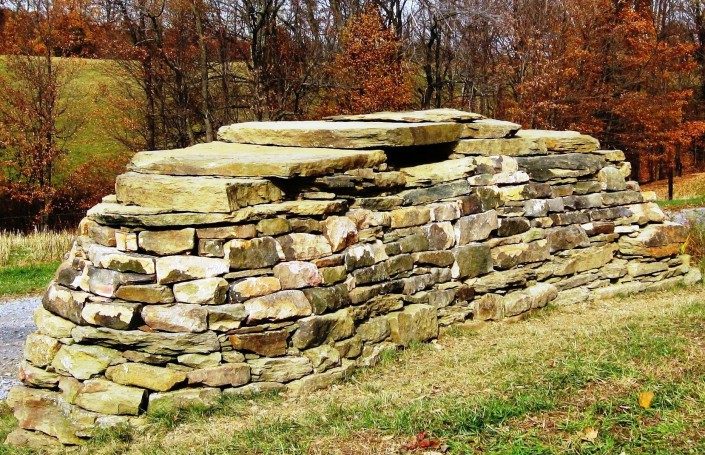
column 630, row 72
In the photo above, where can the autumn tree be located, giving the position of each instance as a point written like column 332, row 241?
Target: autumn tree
column 35, row 121
column 368, row 73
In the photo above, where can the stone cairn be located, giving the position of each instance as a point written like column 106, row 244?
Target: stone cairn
column 289, row 253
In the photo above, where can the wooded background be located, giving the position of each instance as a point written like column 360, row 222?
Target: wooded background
column 631, row 73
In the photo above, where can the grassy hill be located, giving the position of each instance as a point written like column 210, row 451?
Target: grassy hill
column 96, row 136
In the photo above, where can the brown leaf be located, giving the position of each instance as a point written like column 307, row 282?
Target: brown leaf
column 645, row 399
column 588, row 435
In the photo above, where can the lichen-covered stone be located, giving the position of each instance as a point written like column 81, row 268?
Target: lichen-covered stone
column 206, row 291
column 105, row 397
column 656, row 240
column 415, row 323
column 471, row 261
column 145, row 293
column 508, row 256
column 304, row 247
column 115, row 315
column 41, row 349
column 176, row 318
column 231, row 374
column 153, row 343
column 174, row 269
column 278, row 306
column 248, row 288
column 145, row 376
column 297, row 274
column 315, row 330
column 280, row 369
column 84, row 361
column 166, row 243
column 269, row 344
column 184, row 398
column 253, row 254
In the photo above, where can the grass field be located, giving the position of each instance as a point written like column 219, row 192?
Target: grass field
column 28, row 261
column 569, row 380
column 689, row 191
column 93, row 139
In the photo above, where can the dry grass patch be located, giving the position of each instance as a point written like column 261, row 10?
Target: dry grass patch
column 18, row 250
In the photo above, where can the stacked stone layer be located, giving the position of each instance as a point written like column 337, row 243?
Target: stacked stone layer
column 235, row 268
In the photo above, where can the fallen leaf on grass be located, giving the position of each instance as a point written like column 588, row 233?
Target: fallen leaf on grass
column 588, row 435
column 645, row 399
column 423, row 441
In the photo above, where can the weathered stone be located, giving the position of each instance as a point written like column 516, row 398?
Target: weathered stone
column 274, row 226
column 333, row 275
column 116, row 315
column 106, row 282
column 28, row 374
column 316, row 330
column 587, row 259
column 253, row 254
column 269, row 344
column 206, row 291
column 515, row 146
column 52, row 326
column 173, row 269
column 145, row 293
column 231, row 374
column 622, row 198
column 304, row 247
column 176, row 318
column 645, row 268
column 340, row 231
column 223, row 318
column 41, row 349
column 435, row 193
column 242, row 231
column 153, row 343
column 612, row 179
column 253, row 287
column 508, row 256
column 201, row 360
column 325, row 299
column 280, row 369
column 185, row 398
column 544, row 168
column 243, row 160
column 145, row 376
column 471, row 261
column 439, row 172
column 566, row 238
column 656, row 240
column 410, row 216
column 434, row 258
column 186, row 193
column 489, row 129
column 125, row 240
column 278, row 306
column 33, row 440
column 345, row 135
column 475, row 227
column 297, row 275
column 513, row 226
column 105, row 397
column 84, row 361
column 47, row 412
column 165, row 243
column 562, row 141
column 414, row 323
column 323, row 358
column 374, row 330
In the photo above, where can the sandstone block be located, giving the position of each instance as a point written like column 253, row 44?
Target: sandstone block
column 105, row 283
column 280, row 369
column 586, row 259
column 41, row 349
column 201, row 360
column 340, row 231
column 374, row 330
column 544, row 168
column 253, row 254
column 426, row 115
column 472, row 228
column 323, row 358
column 145, row 293
column 566, row 238
column 116, row 315
column 316, row 330
column 51, row 325
column 231, row 374
column 471, row 261
column 105, row 397
column 176, row 318
column 153, row 343
column 441, row 236
column 248, row 288
column 345, row 135
column 324, row 299
column 414, row 323
column 304, row 247
column 516, row 146
column 166, row 243
column 612, row 179
column 84, row 361
column 148, row 377
column 297, row 275
column 223, row 318
column 508, row 256
column 410, row 216
column 174, row 269
column 269, row 344
column 489, row 129
column 206, row 291
column 184, row 398
column 562, row 141
column 656, row 240
column 186, row 193
column 278, row 306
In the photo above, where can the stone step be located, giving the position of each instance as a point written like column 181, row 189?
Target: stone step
column 248, row 160
column 346, row 135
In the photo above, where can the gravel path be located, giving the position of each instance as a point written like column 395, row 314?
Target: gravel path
column 15, row 324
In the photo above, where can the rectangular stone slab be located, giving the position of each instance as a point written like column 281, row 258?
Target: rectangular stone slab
column 513, row 146
column 345, row 135
column 430, row 115
column 193, row 194
column 562, row 141
column 248, row 160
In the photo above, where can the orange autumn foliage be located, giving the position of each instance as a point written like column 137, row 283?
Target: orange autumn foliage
column 368, row 73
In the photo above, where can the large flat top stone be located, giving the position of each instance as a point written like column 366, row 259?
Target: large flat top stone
column 430, row 115
column 346, row 135
column 247, row 160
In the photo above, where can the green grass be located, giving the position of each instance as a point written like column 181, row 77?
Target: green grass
column 535, row 387
column 677, row 204
column 24, row 280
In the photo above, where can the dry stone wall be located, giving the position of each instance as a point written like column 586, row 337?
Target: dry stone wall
column 290, row 253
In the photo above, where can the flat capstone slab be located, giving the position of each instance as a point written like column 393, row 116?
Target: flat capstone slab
column 431, row 115
column 345, row 135
column 248, row 160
